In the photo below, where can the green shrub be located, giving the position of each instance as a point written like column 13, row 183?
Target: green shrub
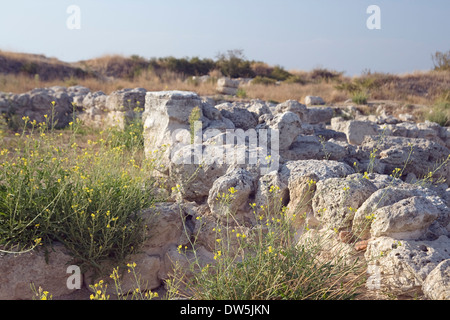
column 295, row 79
column 233, row 64
column 87, row 198
column 440, row 112
column 278, row 73
column 359, row 97
column 264, row 80
column 263, row 262
column 241, row 93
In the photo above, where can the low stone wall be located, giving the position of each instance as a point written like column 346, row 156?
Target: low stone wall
column 401, row 227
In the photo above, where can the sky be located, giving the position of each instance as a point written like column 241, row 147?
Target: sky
column 295, row 34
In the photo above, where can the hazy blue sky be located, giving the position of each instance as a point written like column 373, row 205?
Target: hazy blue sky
column 294, row 34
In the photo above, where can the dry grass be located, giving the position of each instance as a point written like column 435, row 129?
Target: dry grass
column 27, row 57
column 109, row 73
column 22, row 83
column 294, row 91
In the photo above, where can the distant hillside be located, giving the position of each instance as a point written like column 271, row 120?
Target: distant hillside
column 32, row 65
column 21, row 72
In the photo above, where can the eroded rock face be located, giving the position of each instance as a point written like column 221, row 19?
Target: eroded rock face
column 18, row 271
column 336, row 200
column 437, row 283
column 126, row 99
column 406, row 219
column 418, row 156
column 53, row 102
column 402, row 266
column 242, row 118
column 243, row 185
column 386, row 203
column 166, row 114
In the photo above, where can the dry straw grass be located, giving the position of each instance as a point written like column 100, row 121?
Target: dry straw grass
column 109, row 73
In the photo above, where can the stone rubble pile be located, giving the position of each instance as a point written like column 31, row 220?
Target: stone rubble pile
column 370, row 176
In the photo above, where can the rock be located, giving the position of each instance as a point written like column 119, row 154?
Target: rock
column 446, row 197
column 407, row 219
column 319, row 115
column 299, row 178
column 265, row 196
column 355, row 130
column 188, row 262
column 95, row 100
column 288, row 125
column 166, row 115
column 413, row 154
column 400, row 267
column 291, row 106
column 227, row 86
column 361, row 245
column 445, row 136
column 389, row 196
column 5, row 102
column 95, row 111
column 259, row 108
column 332, row 251
column 313, row 100
column 168, row 224
column 299, row 210
column 437, row 283
column 312, row 147
column 241, row 117
column 18, row 271
column 243, row 184
column 39, row 102
column 323, row 169
column 196, row 178
column 148, row 269
column 126, row 99
column 406, row 117
column 337, row 199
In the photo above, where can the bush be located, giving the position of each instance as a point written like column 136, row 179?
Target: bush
column 189, row 67
column 88, row 198
column 241, row 93
column 441, row 61
column 440, row 112
column 320, row 74
column 264, row 80
column 295, row 79
column 278, row 73
column 263, row 262
column 359, row 97
column 233, row 64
